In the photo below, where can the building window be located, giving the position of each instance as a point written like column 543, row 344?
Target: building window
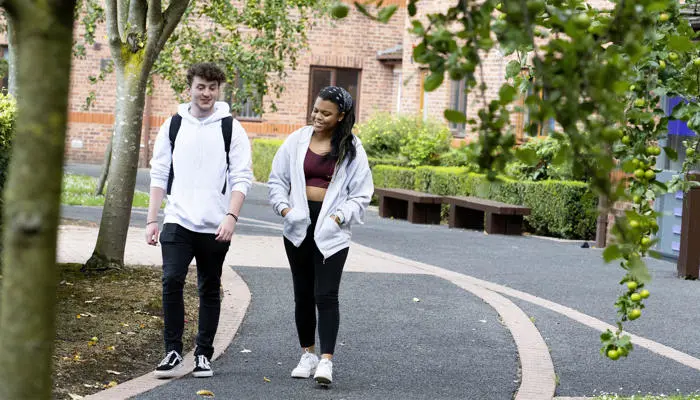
column 458, row 102
column 348, row 79
column 524, row 128
column 242, row 107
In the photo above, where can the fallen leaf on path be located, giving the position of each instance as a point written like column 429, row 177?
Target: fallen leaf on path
column 111, row 384
column 245, row 351
column 416, row 299
column 206, row 393
column 109, row 371
column 110, row 348
column 483, row 321
column 74, row 396
column 266, row 379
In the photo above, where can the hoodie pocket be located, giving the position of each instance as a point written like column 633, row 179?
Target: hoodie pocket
column 295, row 222
column 330, row 234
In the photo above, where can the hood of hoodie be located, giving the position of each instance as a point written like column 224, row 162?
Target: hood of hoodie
column 221, row 111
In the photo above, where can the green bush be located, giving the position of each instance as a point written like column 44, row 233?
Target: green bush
column 264, row 151
column 7, row 127
column 546, row 149
column 559, row 208
column 8, row 111
column 388, row 176
column 409, row 139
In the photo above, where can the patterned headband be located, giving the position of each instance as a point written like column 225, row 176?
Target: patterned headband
column 339, row 96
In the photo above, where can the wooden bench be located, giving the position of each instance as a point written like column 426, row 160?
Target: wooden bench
column 416, row 207
column 468, row 212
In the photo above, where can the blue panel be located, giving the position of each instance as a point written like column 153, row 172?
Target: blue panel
column 676, row 127
column 677, row 229
column 676, row 246
column 679, row 195
column 678, row 211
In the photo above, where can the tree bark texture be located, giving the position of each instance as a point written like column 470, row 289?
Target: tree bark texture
column 44, row 34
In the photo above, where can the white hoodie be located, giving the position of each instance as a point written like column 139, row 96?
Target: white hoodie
column 347, row 197
column 199, row 164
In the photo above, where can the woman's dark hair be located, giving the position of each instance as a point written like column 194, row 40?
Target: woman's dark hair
column 342, row 141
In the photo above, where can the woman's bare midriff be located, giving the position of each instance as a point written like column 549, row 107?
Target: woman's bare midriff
column 314, row 193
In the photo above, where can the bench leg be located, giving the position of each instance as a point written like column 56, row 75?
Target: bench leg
column 466, row 218
column 393, row 208
column 504, row 224
column 419, row 213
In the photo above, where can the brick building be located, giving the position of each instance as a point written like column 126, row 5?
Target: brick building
column 362, row 55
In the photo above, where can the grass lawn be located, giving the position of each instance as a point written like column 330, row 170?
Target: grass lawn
column 109, row 327
column 79, row 190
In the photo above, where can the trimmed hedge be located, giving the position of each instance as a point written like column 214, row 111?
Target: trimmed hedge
column 564, row 209
column 264, row 151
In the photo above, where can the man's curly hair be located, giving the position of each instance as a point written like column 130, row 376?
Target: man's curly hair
column 207, row 71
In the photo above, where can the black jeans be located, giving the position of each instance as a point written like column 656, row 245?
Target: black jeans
column 179, row 246
column 316, row 285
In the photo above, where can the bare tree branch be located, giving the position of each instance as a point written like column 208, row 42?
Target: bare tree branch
column 115, row 41
column 155, row 13
column 122, row 9
column 137, row 16
column 171, row 17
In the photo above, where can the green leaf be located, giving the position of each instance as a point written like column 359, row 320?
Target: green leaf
column 512, row 69
column 339, row 11
column 638, row 270
column 612, row 252
column 680, row 43
column 385, row 13
column 412, row 9
column 655, row 254
column 507, row 94
column 671, row 153
column 433, row 81
column 605, row 336
column 455, row 116
column 660, row 185
column 527, row 156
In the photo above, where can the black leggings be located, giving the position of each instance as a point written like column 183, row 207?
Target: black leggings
column 316, row 285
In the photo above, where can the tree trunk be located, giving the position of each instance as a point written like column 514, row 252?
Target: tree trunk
column 601, row 234
column 105, row 168
column 12, row 58
column 44, row 33
column 116, row 214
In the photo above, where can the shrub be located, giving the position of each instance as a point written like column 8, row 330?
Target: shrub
column 410, row 139
column 559, row 208
column 8, row 111
column 546, row 149
column 264, row 151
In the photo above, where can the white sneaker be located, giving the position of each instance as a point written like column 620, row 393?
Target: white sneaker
column 307, row 365
column 324, row 372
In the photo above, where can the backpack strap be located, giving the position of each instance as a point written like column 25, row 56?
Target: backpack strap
column 175, row 123
column 227, row 132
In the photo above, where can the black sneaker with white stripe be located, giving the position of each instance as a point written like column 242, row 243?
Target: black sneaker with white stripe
column 202, row 368
column 170, row 366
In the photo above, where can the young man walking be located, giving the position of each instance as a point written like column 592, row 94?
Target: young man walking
column 201, row 161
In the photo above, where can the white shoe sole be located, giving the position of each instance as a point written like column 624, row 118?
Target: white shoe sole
column 302, row 375
column 203, row 374
column 176, row 371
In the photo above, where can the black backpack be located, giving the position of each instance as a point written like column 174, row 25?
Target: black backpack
column 226, row 131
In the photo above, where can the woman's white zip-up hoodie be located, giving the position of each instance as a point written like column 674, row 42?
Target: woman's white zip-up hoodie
column 348, row 194
column 199, row 163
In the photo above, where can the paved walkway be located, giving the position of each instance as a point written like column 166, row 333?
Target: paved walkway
column 497, row 317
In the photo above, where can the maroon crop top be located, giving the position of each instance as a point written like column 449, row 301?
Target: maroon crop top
column 318, row 169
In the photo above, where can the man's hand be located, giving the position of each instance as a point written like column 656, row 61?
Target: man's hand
column 152, row 234
column 285, row 211
column 225, row 231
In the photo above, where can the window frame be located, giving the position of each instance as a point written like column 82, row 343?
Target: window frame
column 311, row 98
